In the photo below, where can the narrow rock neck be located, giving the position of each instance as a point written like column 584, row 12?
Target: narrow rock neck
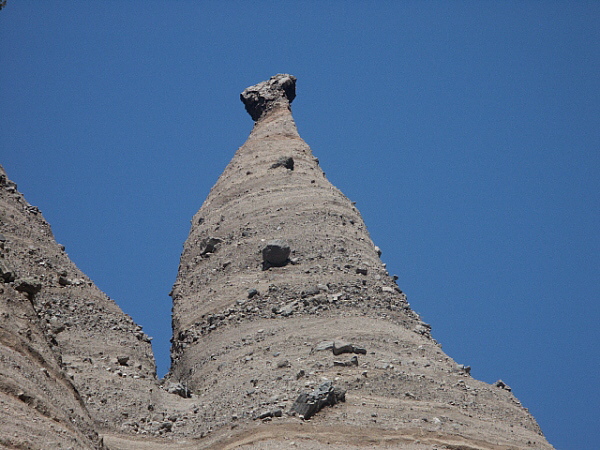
column 276, row 123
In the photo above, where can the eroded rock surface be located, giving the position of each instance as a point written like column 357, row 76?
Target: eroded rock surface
column 277, row 92
column 282, row 306
column 78, row 365
column 255, row 353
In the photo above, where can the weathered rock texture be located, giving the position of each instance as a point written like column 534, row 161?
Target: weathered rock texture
column 249, row 333
column 73, row 366
column 39, row 402
column 276, row 93
column 286, row 325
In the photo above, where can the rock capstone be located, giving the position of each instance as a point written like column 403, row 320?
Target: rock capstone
column 260, row 99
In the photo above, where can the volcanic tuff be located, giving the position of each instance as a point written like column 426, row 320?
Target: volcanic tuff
column 286, row 327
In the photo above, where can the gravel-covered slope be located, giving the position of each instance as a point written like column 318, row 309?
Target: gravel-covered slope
column 98, row 354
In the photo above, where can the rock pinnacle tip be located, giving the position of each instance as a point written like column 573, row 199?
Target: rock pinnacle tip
column 277, row 91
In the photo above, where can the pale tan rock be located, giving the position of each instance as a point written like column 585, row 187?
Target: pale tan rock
column 250, row 334
column 225, row 348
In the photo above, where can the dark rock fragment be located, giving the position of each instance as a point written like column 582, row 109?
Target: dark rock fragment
column 340, row 347
column 28, row 285
column 178, row 389
column 359, row 350
column 465, row 369
column 352, row 362
column 271, row 413
column 324, row 345
column 166, row 426
column 287, row 310
column 275, row 253
column 7, row 275
column 209, row 245
column 64, row 281
column 283, row 364
column 502, row 385
column 309, row 403
column 284, row 161
column 309, row 292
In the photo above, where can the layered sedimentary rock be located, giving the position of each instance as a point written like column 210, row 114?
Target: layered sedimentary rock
column 286, row 325
column 38, row 403
column 69, row 353
column 280, row 289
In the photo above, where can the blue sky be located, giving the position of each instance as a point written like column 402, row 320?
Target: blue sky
column 468, row 133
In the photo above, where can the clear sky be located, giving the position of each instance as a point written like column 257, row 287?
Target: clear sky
column 468, row 133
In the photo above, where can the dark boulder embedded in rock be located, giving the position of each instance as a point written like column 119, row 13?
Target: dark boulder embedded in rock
column 284, row 161
column 277, row 412
column 178, row 389
column 502, row 385
column 275, row 253
column 309, row 403
column 209, row 245
column 340, row 347
column 352, row 362
column 28, row 285
column 7, row 275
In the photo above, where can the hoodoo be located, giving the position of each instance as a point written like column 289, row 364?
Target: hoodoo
column 286, row 326
column 283, row 308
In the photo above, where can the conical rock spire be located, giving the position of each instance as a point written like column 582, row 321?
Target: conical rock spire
column 252, row 336
column 282, row 311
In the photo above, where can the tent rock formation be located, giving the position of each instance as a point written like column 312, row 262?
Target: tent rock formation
column 282, row 312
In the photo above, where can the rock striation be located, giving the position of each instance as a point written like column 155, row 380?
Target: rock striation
column 73, row 367
column 286, row 325
column 324, row 293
